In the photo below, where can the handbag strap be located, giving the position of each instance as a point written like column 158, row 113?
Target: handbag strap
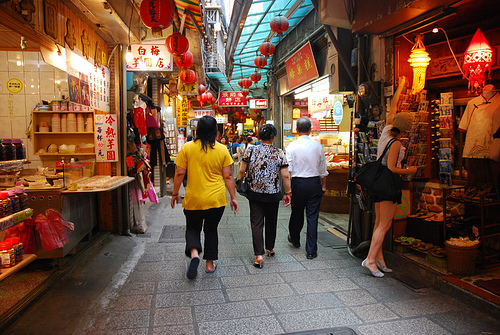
column 387, row 148
column 248, row 164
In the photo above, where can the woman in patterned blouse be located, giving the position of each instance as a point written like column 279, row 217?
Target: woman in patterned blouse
column 266, row 164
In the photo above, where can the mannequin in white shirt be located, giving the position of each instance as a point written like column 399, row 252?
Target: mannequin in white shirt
column 480, row 120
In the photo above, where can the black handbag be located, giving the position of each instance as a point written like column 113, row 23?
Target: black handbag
column 378, row 179
column 242, row 184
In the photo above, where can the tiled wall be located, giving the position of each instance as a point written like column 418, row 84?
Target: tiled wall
column 41, row 81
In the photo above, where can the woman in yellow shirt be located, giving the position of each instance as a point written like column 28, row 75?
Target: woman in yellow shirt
column 209, row 166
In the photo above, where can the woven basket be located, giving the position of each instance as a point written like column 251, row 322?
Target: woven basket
column 461, row 260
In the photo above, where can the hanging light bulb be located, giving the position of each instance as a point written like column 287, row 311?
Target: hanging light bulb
column 129, row 55
column 419, row 60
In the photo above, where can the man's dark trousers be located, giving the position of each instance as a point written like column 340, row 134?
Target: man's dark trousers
column 306, row 193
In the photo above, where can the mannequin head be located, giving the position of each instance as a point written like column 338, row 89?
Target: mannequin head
column 488, row 91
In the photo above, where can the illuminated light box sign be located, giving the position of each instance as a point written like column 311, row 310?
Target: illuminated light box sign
column 232, row 99
column 258, row 103
column 150, row 57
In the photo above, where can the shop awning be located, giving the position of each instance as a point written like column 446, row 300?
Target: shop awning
column 192, row 10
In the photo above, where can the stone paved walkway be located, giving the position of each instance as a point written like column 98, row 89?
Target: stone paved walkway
column 290, row 294
column 149, row 293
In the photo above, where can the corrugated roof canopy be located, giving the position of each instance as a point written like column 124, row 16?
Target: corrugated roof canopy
column 254, row 32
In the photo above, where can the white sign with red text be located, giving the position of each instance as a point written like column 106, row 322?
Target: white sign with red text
column 258, row 103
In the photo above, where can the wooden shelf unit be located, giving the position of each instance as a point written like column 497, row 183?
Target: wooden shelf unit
column 41, row 140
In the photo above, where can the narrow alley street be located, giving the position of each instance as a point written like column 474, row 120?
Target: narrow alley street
column 138, row 285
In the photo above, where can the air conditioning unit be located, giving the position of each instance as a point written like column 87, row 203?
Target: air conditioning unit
column 339, row 79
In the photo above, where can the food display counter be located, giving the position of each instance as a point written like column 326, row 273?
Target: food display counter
column 79, row 206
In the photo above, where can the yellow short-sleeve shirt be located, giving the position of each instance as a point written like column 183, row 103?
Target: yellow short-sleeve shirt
column 205, row 182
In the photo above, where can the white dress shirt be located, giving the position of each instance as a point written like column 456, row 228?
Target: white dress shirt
column 306, row 158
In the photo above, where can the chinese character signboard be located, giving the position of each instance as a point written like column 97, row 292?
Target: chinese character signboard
column 182, row 112
column 106, row 138
column 202, row 112
column 232, row 99
column 150, row 57
column 258, row 103
column 319, row 102
column 301, row 67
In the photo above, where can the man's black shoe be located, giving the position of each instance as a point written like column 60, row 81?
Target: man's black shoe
column 312, row 256
column 296, row 245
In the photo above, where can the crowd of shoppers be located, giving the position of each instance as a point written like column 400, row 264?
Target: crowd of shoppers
column 297, row 178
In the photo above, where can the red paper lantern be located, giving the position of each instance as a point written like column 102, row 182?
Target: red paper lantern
column 157, row 14
column 204, row 97
column 209, row 96
column 478, row 59
column 177, row 44
column 184, row 60
column 200, row 100
column 244, row 92
column 279, row 24
column 260, row 61
column 240, row 83
column 188, row 76
column 256, row 76
column 247, row 82
column 213, row 100
column 267, row 48
column 201, row 89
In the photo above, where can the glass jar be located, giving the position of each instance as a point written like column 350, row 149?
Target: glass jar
column 23, row 198
column 14, row 198
column 7, row 255
column 18, row 247
column 9, row 149
column 20, row 148
column 5, row 204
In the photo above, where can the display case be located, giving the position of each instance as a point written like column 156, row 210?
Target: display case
column 44, row 124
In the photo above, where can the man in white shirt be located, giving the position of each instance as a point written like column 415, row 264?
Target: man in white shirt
column 307, row 166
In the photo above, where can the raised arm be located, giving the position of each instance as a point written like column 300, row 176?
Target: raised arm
column 394, row 101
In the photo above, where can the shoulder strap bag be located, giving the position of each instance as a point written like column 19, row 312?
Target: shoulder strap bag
column 378, row 179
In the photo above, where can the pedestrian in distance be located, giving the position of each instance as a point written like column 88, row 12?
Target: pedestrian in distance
column 266, row 164
column 396, row 126
column 307, row 165
column 209, row 166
